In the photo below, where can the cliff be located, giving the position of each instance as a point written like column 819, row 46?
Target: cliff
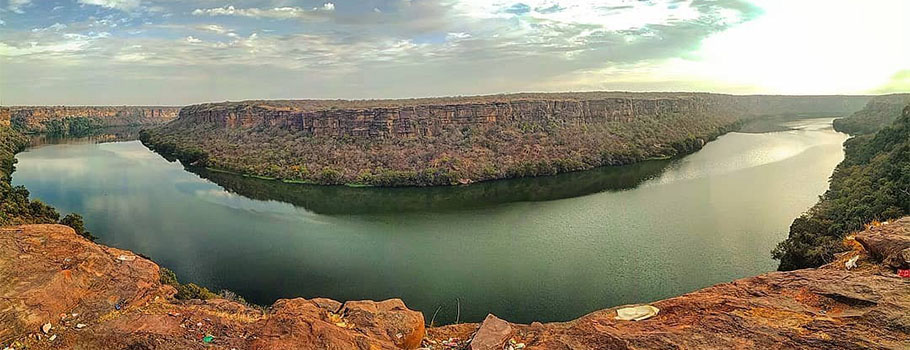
column 445, row 141
column 39, row 118
column 429, row 117
column 63, row 291
column 878, row 113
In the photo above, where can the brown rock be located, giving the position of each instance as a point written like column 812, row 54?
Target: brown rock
column 492, row 334
column 889, row 244
column 389, row 319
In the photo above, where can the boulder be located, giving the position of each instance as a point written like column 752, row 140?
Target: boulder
column 889, row 244
column 492, row 334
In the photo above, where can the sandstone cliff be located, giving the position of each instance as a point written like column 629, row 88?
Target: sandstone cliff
column 62, row 291
column 37, row 118
column 445, row 141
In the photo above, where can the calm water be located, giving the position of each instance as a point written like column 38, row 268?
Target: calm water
column 548, row 249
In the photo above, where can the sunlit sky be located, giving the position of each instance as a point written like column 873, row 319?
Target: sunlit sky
column 176, row 52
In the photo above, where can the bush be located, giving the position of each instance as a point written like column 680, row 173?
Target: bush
column 184, row 291
column 75, row 221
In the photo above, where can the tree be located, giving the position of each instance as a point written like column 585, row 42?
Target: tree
column 75, row 221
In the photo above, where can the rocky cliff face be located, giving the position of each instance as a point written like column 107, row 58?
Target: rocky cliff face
column 62, row 291
column 429, row 118
column 446, row 141
column 36, row 118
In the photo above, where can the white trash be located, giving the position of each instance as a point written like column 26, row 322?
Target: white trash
column 636, row 313
column 851, row 264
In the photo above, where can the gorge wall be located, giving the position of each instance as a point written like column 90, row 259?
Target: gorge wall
column 430, row 117
column 39, row 118
column 456, row 140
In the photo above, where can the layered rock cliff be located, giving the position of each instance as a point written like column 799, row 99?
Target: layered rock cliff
column 444, row 141
column 38, row 118
column 431, row 117
column 62, row 291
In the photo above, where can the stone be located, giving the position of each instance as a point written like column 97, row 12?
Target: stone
column 889, row 243
column 492, row 334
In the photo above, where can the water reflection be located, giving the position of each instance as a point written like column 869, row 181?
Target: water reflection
column 342, row 200
column 110, row 134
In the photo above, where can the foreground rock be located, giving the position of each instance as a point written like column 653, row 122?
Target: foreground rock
column 96, row 297
column 88, row 296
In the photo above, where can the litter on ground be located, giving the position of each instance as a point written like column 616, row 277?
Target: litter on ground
column 851, row 264
column 636, row 313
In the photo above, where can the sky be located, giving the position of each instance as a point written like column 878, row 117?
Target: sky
column 176, row 52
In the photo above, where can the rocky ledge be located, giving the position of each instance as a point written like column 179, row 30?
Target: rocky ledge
column 60, row 291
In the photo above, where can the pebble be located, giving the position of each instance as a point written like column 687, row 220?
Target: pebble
column 52, row 337
column 80, row 325
column 46, row 328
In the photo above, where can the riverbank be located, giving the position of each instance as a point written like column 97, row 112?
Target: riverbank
column 63, row 291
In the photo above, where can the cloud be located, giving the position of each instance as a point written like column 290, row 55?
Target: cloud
column 277, row 12
column 17, row 5
column 214, row 28
column 114, row 4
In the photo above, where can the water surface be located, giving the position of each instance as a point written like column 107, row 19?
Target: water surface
column 546, row 249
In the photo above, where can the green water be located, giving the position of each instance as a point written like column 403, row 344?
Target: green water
column 546, row 249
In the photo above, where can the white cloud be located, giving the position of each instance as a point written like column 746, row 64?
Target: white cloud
column 190, row 39
column 17, row 5
column 214, row 28
column 277, row 12
column 114, row 4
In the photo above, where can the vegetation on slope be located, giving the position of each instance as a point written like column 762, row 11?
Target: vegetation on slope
column 459, row 155
column 880, row 112
column 872, row 183
column 15, row 207
column 73, row 126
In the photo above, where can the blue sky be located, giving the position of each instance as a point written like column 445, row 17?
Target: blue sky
column 180, row 52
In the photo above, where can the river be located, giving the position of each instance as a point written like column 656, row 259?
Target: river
column 538, row 249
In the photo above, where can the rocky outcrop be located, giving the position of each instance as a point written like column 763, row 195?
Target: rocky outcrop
column 63, row 291
column 432, row 117
column 36, row 118
column 89, row 296
column 458, row 140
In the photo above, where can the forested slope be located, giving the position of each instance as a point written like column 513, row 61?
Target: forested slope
column 872, row 183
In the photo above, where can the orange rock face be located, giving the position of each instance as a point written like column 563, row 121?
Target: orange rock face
column 96, row 297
